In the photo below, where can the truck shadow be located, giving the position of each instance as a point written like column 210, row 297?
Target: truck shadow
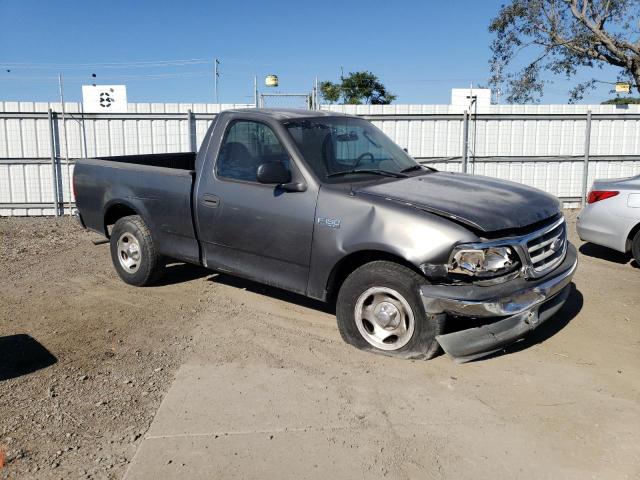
column 273, row 292
column 179, row 272
column 548, row 329
column 604, row 253
column 22, row 354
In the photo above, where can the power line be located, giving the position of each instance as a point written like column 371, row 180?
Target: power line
column 425, row 80
column 158, row 76
column 153, row 63
column 146, row 64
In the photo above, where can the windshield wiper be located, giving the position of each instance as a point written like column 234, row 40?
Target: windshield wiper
column 384, row 173
column 417, row 167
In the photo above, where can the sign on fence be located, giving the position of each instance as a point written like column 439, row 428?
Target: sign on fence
column 622, row 87
column 104, row 98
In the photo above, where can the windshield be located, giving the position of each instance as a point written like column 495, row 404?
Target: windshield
column 344, row 147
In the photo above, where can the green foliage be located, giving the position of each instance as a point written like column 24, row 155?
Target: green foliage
column 330, row 91
column 534, row 38
column 357, row 88
column 622, row 101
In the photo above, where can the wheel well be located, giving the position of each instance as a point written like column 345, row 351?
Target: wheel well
column 632, row 234
column 355, row 260
column 115, row 213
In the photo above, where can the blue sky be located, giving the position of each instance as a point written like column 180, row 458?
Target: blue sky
column 419, row 49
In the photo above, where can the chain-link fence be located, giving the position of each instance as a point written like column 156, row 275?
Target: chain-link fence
column 285, row 100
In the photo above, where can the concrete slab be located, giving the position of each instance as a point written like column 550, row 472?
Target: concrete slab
column 256, row 421
column 237, row 400
column 311, row 454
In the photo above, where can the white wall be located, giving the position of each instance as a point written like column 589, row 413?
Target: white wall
column 26, row 172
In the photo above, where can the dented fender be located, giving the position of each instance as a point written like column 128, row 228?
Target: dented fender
column 347, row 223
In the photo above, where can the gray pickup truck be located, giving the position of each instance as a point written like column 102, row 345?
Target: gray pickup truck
column 327, row 206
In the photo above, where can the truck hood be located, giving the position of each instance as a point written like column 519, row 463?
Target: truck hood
column 483, row 203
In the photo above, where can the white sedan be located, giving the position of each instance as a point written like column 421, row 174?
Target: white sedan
column 611, row 217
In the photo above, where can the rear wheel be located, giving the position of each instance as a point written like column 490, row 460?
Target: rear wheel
column 379, row 309
column 635, row 247
column 133, row 252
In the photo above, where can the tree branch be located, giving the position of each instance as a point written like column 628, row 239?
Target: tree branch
column 570, row 34
column 587, row 52
column 611, row 44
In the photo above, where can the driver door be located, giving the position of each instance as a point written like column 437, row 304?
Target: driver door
column 252, row 229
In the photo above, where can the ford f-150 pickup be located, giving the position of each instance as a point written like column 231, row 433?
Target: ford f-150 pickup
column 327, row 206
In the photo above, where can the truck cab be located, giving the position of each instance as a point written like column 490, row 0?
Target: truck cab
column 254, row 202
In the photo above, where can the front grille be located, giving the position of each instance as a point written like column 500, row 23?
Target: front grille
column 547, row 249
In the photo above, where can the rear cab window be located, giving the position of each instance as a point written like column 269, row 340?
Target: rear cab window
column 247, row 145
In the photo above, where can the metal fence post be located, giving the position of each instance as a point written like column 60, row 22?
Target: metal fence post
column 465, row 141
column 585, row 167
column 191, row 131
column 54, row 175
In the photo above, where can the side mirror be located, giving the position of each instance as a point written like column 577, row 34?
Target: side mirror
column 273, row 173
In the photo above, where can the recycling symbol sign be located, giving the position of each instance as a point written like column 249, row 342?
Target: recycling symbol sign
column 106, row 99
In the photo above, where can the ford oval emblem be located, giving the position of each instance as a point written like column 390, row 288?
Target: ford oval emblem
column 557, row 244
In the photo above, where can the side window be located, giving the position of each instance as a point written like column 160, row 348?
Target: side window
column 246, row 146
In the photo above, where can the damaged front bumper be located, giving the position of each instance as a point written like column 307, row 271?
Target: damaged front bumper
column 519, row 305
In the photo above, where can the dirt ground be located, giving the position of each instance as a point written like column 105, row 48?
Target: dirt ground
column 85, row 361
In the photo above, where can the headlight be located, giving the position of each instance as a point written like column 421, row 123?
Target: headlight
column 483, row 262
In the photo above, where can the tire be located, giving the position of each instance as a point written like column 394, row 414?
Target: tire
column 133, row 252
column 382, row 291
column 635, row 247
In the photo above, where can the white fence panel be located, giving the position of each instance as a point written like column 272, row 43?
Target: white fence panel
column 504, row 141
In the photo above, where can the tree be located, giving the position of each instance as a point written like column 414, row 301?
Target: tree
column 564, row 36
column 330, row 91
column 357, row 88
column 622, row 101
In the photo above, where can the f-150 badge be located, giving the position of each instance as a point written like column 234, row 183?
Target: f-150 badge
column 329, row 222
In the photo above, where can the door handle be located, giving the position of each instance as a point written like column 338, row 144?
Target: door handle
column 210, row 201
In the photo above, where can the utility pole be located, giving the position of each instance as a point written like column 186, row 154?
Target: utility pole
column 498, row 83
column 255, row 90
column 66, row 143
column 216, row 75
column 473, row 109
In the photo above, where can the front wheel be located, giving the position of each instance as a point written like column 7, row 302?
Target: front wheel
column 635, row 247
column 133, row 252
column 379, row 309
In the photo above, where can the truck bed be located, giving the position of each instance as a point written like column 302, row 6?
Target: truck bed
column 157, row 187
column 179, row 161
